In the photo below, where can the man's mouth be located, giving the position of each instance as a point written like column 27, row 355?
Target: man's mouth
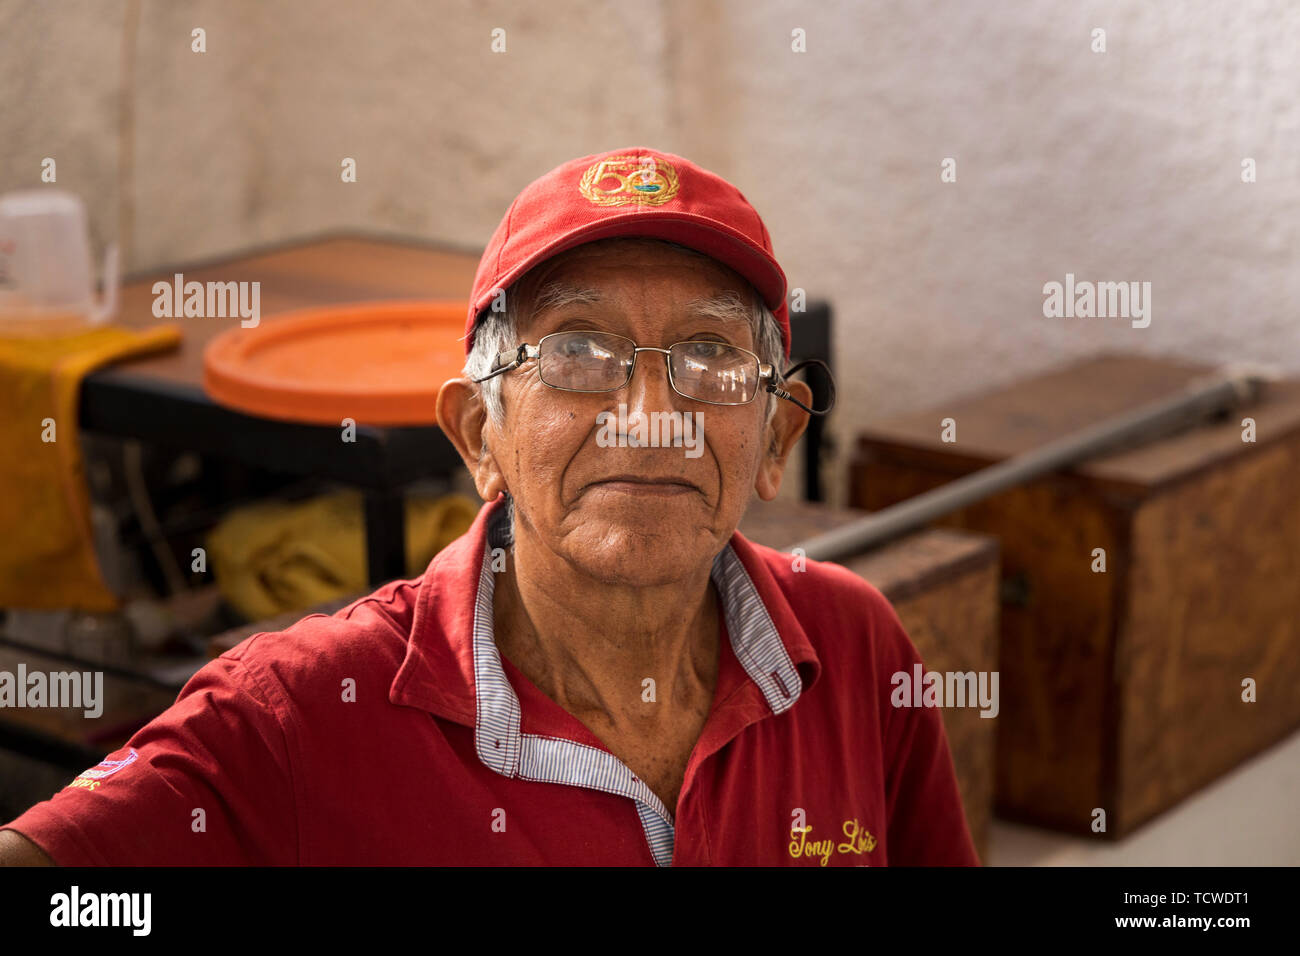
column 641, row 485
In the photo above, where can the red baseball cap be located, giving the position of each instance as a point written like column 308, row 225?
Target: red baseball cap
column 635, row 191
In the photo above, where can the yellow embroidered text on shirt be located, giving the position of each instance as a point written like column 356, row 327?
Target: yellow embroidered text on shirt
column 858, row 841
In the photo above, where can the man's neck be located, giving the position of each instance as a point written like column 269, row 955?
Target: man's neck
column 591, row 645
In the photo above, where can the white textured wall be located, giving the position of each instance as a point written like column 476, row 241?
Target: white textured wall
column 1122, row 165
column 1116, row 166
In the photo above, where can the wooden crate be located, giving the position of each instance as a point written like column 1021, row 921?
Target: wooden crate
column 1123, row 690
column 944, row 586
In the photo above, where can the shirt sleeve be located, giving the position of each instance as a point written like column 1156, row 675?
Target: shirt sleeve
column 926, row 821
column 207, row 782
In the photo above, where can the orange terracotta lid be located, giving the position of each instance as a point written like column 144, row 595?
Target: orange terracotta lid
column 378, row 363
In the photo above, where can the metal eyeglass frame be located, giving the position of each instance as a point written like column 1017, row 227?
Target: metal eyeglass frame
column 513, row 358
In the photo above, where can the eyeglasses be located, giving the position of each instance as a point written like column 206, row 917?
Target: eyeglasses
column 586, row 360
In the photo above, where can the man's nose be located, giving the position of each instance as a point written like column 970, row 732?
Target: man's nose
column 650, row 390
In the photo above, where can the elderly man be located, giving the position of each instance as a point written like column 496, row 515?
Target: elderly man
column 601, row 671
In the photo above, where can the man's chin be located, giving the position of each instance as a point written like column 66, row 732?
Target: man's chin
column 639, row 554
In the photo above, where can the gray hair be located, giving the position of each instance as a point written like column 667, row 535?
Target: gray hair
column 497, row 331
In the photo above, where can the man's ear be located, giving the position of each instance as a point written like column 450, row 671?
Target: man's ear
column 464, row 421
column 788, row 423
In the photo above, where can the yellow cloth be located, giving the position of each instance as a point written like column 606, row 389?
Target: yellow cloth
column 47, row 551
column 272, row 557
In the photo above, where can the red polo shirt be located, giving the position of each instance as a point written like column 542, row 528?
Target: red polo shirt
column 394, row 733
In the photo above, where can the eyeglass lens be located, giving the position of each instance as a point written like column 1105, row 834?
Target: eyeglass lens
column 600, row 362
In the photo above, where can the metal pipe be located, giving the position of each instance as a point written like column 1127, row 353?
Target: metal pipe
column 1199, row 399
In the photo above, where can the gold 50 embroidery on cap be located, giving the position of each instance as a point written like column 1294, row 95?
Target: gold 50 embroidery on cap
column 629, row 180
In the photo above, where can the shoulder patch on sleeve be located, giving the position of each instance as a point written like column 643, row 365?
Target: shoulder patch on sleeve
column 91, row 778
